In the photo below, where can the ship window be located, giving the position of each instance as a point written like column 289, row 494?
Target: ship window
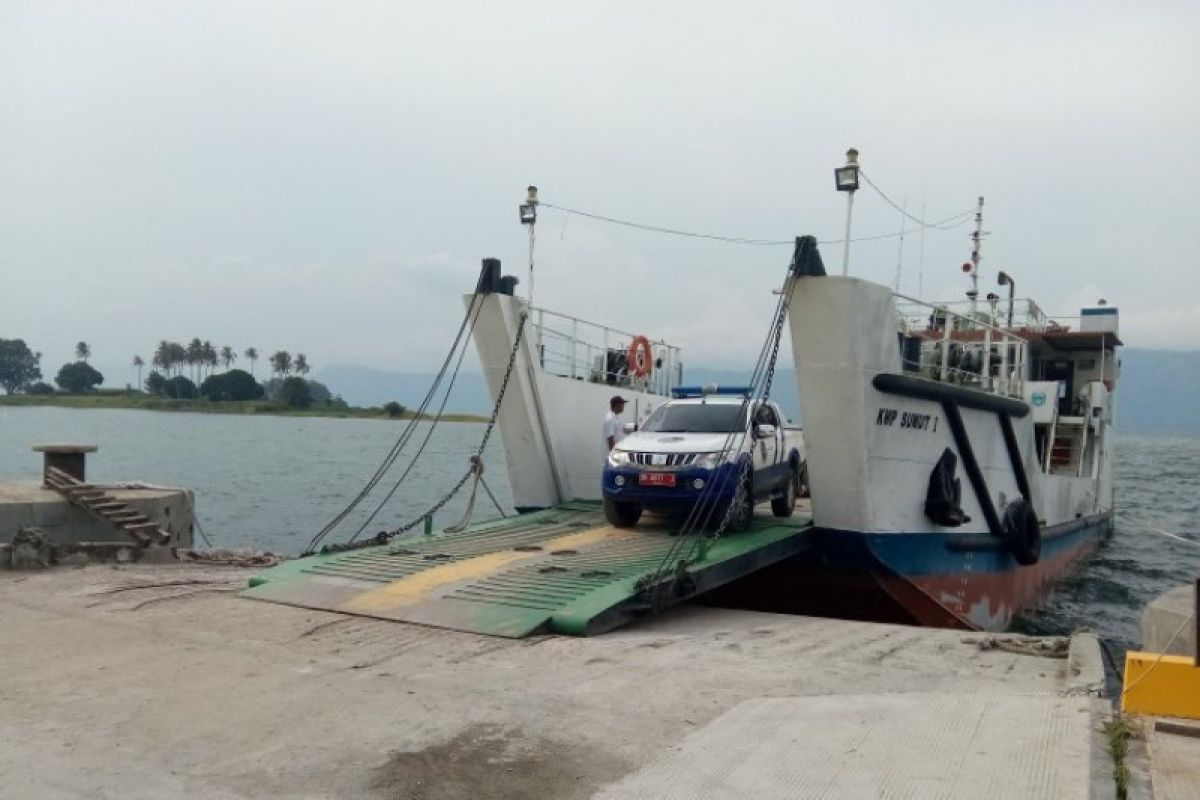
column 696, row 418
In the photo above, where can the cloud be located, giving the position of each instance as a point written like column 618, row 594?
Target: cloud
column 1169, row 329
column 298, row 175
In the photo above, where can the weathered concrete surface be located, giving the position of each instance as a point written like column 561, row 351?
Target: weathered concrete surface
column 982, row 745
column 1164, row 617
column 151, row 682
column 31, row 505
column 1174, row 759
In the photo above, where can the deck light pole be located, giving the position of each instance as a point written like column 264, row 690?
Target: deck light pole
column 992, row 299
column 1004, row 279
column 529, row 217
column 846, row 180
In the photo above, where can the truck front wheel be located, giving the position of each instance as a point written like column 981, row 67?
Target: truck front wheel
column 621, row 515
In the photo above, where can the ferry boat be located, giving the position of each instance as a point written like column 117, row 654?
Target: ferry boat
column 958, row 453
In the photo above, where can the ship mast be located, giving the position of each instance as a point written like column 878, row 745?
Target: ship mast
column 973, row 267
column 528, row 211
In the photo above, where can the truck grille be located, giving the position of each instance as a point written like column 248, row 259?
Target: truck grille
column 663, row 459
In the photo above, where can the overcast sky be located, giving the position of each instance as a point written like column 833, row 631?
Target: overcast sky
column 325, row 177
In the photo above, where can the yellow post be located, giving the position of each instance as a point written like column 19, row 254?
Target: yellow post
column 1161, row 684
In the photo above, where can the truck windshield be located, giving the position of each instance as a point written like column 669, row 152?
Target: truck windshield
column 696, row 418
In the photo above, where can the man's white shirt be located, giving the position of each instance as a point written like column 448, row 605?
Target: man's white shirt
column 613, row 427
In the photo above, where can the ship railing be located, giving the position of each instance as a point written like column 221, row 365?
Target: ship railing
column 574, row 348
column 1027, row 314
column 964, row 348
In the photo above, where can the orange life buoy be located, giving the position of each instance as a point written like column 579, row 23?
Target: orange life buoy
column 641, row 359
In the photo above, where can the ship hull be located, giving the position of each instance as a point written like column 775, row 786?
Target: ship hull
column 931, row 579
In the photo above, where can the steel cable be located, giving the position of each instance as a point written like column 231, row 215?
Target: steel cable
column 706, row 507
column 402, row 439
column 428, row 434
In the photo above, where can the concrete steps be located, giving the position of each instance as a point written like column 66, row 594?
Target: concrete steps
column 106, row 507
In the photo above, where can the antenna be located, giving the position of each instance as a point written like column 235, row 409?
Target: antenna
column 900, row 249
column 976, row 243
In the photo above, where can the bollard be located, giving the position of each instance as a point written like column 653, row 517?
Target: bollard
column 70, row 458
column 428, row 524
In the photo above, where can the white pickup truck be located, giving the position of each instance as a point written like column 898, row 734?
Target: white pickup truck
column 696, row 448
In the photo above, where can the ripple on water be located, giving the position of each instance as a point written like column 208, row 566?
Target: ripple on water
column 1157, row 482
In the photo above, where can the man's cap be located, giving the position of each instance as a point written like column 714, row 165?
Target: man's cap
column 617, row 399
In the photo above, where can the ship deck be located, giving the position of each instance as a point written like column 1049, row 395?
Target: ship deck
column 562, row 570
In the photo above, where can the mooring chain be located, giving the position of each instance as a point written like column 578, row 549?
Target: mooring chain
column 700, row 545
column 512, row 360
column 383, row 537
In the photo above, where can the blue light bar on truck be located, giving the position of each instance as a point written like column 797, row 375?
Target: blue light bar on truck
column 710, row 388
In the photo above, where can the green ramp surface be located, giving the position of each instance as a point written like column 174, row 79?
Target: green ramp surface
column 561, row 570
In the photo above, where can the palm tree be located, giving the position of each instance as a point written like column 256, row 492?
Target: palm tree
column 301, row 364
column 228, row 357
column 252, row 354
column 83, row 352
column 162, row 356
column 138, row 363
column 281, row 362
column 178, row 356
column 195, row 357
column 210, row 356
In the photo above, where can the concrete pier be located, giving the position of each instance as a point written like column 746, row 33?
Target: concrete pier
column 60, row 525
column 1162, row 684
column 72, row 530
column 162, row 682
column 1168, row 615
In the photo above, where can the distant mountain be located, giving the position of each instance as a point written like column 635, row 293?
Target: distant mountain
column 1159, row 390
column 366, row 386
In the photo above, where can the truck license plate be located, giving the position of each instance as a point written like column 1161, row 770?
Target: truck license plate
column 656, row 479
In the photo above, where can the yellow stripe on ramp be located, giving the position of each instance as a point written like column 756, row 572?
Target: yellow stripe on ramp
column 418, row 588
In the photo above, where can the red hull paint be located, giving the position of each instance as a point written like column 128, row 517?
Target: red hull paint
column 986, row 600
column 815, row 584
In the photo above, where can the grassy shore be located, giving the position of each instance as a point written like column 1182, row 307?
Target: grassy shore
column 146, row 402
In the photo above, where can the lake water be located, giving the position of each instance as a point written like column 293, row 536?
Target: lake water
column 272, row 482
column 261, row 481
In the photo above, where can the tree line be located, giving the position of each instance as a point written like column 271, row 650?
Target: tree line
column 20, row 371
column 201, row 358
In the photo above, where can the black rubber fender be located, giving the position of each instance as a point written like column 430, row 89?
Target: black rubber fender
column 1023, row 532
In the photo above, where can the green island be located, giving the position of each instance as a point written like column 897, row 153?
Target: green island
column 120, row 398
column 187, row 378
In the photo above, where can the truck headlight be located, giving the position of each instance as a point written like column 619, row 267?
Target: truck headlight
column 618, row 458
column 708, row 460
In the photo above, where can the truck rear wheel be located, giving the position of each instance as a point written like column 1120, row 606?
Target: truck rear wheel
column 785, row 503
column 621, row 515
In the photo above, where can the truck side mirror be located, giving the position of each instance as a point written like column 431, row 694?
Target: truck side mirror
column 764, row 431
column 629, row 427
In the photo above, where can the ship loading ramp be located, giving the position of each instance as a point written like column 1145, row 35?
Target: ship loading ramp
column 562, row 570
